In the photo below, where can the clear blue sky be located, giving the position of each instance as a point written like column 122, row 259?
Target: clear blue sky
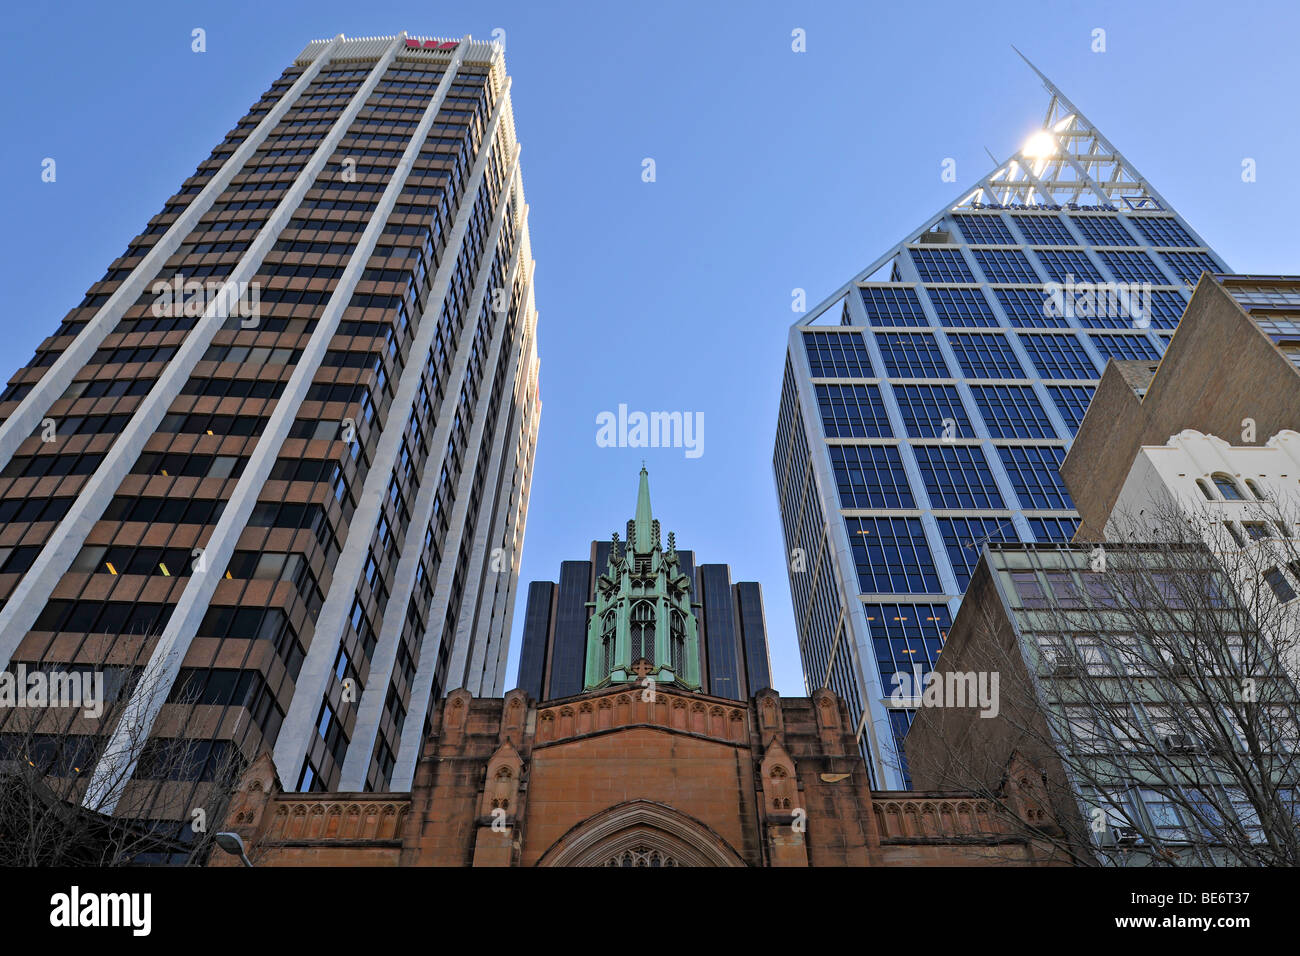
column 775, row 171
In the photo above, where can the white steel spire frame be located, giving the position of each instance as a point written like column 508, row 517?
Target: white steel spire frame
column 1065, row 124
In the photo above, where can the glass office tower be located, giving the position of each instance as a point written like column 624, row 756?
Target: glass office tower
column 277, row 461
column 928, row 403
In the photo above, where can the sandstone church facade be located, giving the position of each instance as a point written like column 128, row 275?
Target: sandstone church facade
column 642, row 768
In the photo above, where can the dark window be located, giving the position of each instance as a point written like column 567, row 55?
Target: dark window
column 1012, row 411
column 911, row 355
column 892, row 306
column 931, row 411
column 837, row 355
column 870, row 476
column 1034, row 473
column 853, row 411
column 892, row 556
column 957, row 476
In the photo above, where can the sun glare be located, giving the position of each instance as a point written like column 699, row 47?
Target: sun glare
column 1039, row 146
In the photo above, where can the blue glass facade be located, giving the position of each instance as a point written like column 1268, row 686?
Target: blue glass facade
column 934, row 415
column 753, row 635
column 537, row 618
column 722, row 646
column 570, row 647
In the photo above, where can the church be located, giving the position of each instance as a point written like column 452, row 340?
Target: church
column 644, row 733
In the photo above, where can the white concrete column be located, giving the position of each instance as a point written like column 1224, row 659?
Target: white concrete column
column 311, row 686
column 111, row 774
column 56, row 380
column 422, row 685
column 516, row 514
column 468, row 625
column 299, row 725
column 33, row 591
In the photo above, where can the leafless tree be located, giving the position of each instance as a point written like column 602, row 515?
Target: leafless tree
column 1150, row 681
column 48, row 754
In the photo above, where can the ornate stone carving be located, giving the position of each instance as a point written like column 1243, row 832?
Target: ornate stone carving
column 327, row 820
column 501, row 792
column 780, row 786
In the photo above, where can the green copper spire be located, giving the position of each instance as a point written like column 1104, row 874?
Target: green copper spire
column 644, row 520
column 642, row 622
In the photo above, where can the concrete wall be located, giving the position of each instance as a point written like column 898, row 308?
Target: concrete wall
column 1218, row 370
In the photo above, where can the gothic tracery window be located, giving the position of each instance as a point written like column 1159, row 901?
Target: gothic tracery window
column 643, row 632
column 678, row 639
column 641, row 856
column 607, row 637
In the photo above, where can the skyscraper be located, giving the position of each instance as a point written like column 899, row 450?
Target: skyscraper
column 933, row 417
column 277, row 461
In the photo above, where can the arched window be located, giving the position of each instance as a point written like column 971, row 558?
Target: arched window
column 678, row 644
column 643, row 632
column 1205, row 489
column 1254, row 490
column 1228, row 488
column 608, row 632
column 620, row 835
column 641, row 855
